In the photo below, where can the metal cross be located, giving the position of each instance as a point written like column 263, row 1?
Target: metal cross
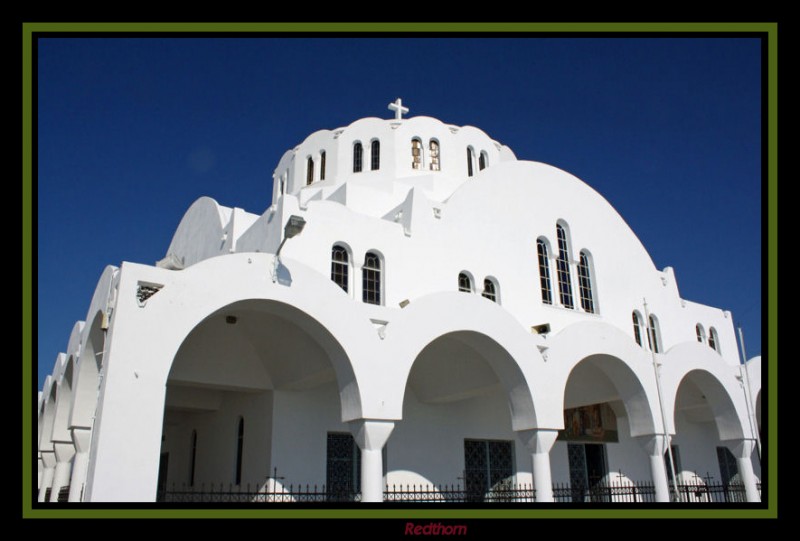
column 398, row 109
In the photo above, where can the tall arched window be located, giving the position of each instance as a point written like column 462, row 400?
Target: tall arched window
column 282, row 187
column 464, row 282
column 637, row 327
column 654, row 335
column 562, row 268
column 322, row 165
column 701, row 334
column 416, row 154
column 340, row 267
column 713, row 339
column 239, row 449
column 483, row 160
column 371, row 282
column 358, row 157
column 375, row 155
column 434, row 154
column 193, row 458
column 309, row 170
column 470, row 161
column 585, row 283
column 489, row 290
column 544, row 272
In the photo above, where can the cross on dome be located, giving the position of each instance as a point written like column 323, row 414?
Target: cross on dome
column 399, row 110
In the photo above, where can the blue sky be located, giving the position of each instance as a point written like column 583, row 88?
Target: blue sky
column 132, row 131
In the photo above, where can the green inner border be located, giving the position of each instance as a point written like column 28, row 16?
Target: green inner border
column 771, row 31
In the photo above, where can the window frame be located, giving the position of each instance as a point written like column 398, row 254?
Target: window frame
column 372, row 275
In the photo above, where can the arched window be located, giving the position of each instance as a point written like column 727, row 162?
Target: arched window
column 371, row 283
column 464, row 282
column 239, row 449
column 483, row 160
column 416, row 154
column 358, row 157
column 713, row 339
column 375, row 155
column 489, row 290
column 562, row 268
column 470, row 161
column 637, row 327
column 322, row 165
column 701, row 334
column 193, row 458
column 340, row 267
column 309, row 170
column 654, row 335
column 544, row 272
column 434, row 154
column 585, row 283
column 282, row 187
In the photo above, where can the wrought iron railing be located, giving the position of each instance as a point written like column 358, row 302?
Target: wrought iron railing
column 270, row 493
column 704, row 490
column 507, row 493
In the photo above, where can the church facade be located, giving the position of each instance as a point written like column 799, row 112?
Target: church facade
column 413, row 309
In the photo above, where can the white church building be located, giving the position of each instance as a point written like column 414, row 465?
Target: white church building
column 407, row 315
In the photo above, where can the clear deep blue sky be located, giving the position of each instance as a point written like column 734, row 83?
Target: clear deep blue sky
column 132, row 131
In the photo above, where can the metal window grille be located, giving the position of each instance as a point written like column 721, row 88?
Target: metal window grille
column 562, row 268
column 701, row 337
column 340, row 267
column 637, row 326
column 358, row 157
column 585, row 284
column 713, row 339
column 464, row 283
column 375, row 155
column 544, row 272
column 371, row 284
column 652, row 335
column 489, row 290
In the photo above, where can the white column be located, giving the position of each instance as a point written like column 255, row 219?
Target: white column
column 742, row 450
column 655, row 445
column 81, row 437
column 49, row 461
column 371, row 436
column 64, row 453
column 539, row 442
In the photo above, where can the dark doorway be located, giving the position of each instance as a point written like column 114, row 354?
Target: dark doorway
column 163, row 466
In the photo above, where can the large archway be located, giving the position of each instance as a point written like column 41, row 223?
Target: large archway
column 706, row 422
column 596, row 456
column 252, row 397
column 461, row 396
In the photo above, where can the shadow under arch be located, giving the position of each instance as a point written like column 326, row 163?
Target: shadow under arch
column 268, row 366
column 703, row 395
column 270, row 328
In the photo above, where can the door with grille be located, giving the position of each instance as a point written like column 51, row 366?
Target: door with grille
column 487, row 465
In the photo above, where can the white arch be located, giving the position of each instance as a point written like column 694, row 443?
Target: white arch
column 485, row 327
column 616, row 355
column 695, row 362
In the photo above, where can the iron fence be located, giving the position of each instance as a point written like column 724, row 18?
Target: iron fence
column 270, row 493
column 702, row 490
column 507, row 493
